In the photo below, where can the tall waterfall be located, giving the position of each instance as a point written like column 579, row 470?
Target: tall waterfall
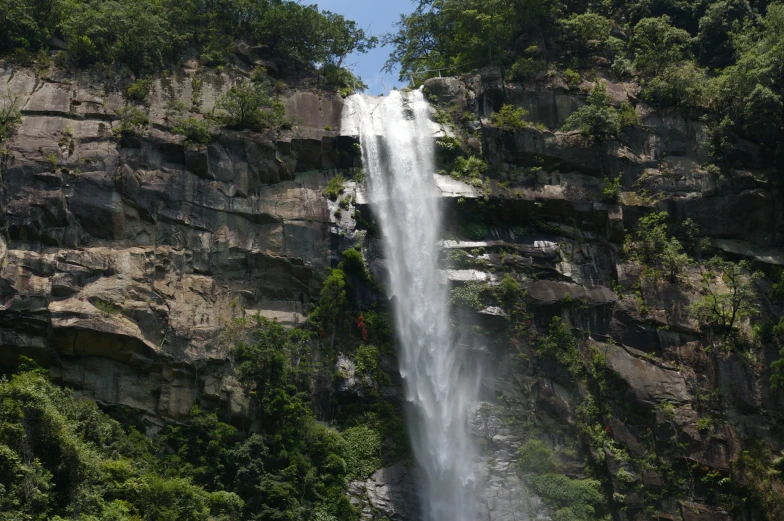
column 398, row 146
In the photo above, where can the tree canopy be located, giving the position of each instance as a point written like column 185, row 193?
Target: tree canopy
column 147, row 34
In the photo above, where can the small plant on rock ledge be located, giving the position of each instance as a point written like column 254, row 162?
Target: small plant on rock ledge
column 335, row 187
column 611, row 192
column 510, row 117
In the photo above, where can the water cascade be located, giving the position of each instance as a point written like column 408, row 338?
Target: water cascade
column 398, row 145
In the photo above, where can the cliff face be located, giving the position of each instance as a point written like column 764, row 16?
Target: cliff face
column 121, row 264
column 671, row 424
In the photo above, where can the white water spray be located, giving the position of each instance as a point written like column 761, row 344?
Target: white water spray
column 397, row 139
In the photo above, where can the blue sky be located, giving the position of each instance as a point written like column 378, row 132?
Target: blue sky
column 376, row 17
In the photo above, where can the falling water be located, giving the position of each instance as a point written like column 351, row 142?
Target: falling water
column 398, row 142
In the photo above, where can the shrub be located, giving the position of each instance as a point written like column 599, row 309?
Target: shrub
column 558, row 344
column 611, row 192
column 195, row 130
column 335, row 187
column 627, row 115
column 448, row 148
column 510, row 288
column 363, row 452
column 133, row 121
column 471, row 167
column 140, row 89
column 471, row 295
column 572, row 78
column 622, row 68
column 527, row 67
column 10, row 117
column 683, row 85
column 535, row 457
column 510, row 117
column 354, row 263
column 474, row 231
column 596, row 118
column 569, row 499
column 251, row 106
column 655, row 249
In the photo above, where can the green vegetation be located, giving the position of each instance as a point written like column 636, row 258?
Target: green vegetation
column 660, row 254
column 150, row 34
column 572, row 78
column 510, row 117
column 471, row 169
column 353, row 263
column 196, row 131
column 251, row 106
column 335, row 187
column 474, row 231
column 717, row 59
column 559, row 344
column 10, row 117
column 729, row 294
column 140, row 89
column 568, row 499
column 133, row 122
column 611, row 191
column 597, row 118
column 61, row 458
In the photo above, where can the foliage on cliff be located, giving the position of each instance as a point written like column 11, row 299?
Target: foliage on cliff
column 148, row 34
column 721, row 59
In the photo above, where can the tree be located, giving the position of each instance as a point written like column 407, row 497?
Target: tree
column 585, row 35
column 343, row 37
column 730, row 294
column 660, row 254
column 721, row 18
column 597, row 118
column 657, row 43
column 250, row 106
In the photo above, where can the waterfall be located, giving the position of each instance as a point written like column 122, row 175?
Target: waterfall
column 397, row 138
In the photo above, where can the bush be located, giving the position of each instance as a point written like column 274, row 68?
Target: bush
column 363, row 452
column 659, row 253
column 354, row 263
column 474, row 231
column 611, row 192
column 133, row 121
column 558, row 344
column 683, row 85
column 572, row 78
column 251, row 106
column 596, row 118
column 195, row 131
column 10, row 117
column 568, row 499
column 335, row 187
column 527, row 67
column 622, row 68
column 627, row 115
column 140, row 89
column 471, row 167
column 510, row 117
column 535, row 457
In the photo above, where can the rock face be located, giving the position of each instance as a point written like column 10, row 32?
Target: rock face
column 121, row 263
